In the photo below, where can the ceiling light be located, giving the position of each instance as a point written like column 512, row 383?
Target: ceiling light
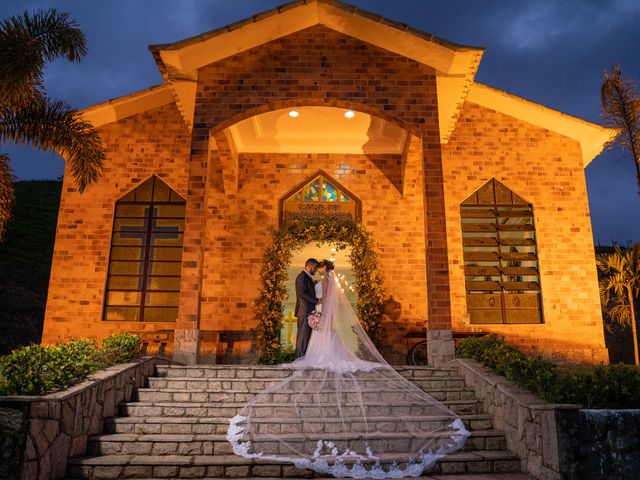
column 349, row 114
column 294, row 114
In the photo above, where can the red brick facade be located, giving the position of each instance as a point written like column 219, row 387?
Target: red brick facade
column 410, row 202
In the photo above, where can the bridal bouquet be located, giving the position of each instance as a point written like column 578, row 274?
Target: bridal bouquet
column 314, row 319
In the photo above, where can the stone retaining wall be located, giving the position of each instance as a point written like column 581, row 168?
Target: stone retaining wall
column 557, row 441
column 529, row 423
column 600, row 444
column 40, row 433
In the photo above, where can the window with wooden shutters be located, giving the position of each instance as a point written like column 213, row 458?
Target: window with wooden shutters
column 500, row 257
column 143, row 282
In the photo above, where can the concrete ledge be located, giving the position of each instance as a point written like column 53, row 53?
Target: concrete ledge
column 41, row 433
column 528, row 422
column 557, row 441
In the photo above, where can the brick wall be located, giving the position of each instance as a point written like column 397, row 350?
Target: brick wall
column 237, row 232
column 405, row 200
column 316, row 66
column 153, row 142
column 545, row 169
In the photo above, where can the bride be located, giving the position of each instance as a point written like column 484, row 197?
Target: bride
column 344, row 410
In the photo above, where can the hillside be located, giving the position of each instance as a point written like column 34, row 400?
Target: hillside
column 25, row 262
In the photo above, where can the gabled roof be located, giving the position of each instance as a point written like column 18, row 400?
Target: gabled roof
column 455, row 65
column 128, row 105
column 592, row 137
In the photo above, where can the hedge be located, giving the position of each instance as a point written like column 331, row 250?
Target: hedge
column 37, row 369
column 603, row 386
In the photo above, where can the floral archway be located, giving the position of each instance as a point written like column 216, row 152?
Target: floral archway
column 292, row 236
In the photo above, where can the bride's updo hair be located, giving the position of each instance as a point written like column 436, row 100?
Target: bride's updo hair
column 328, row 264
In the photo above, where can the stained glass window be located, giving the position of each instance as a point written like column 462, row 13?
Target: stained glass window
column 143, row 281
column 320, row 197
column 500, row 257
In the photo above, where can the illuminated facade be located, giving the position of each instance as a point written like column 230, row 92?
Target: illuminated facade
column 476, row 198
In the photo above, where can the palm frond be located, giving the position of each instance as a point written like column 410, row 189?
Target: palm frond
column 7, row 193
column 620, row 276
column 27, row 42
column 54, row 125
column 621, row 110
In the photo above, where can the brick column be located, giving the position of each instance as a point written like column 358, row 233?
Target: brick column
column 187, row 333
column 439, row 339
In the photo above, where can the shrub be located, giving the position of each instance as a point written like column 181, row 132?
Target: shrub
column 282, row 353
column 604, row 386
column 37, row 369
column 120, row 347
column 28, row 371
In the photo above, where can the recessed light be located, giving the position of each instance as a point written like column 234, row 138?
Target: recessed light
column 349, row 114
column 294, row 114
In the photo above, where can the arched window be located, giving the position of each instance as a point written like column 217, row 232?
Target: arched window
column 321, row 196
column 143, row 282
column 500, row 257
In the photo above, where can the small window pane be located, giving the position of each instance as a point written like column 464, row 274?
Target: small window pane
column 126, row 253
column 166, row 253
column 126, row 268
column 124, row 283
column 123, row 314
column 128, row 238
column 161, row 192
column 329, row 192
column 143, row 192
column 164, row 268
column 137, row 211
column 162, row 299
column 312, row 191
column 166, row 239
column 116, row 297
column 164, row 283
column 169, row 211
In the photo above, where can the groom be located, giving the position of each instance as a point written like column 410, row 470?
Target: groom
column 305, row 302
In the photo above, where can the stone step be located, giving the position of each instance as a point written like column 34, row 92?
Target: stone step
column 175, row 409
column 207, row 466
column 263, row 371
column 472, row 476
column 218, row 384
column 234, row 396
column 213, row 425
column 181, row 444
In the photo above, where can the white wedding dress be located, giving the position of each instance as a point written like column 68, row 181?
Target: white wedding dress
column 344, row 410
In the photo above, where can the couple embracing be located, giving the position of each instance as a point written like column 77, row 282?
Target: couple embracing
column 309, row 298
column 341, row 409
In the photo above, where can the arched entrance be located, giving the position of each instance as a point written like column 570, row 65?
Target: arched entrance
column 293, row 236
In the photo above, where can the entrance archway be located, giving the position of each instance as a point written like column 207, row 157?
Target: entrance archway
column 293, row 236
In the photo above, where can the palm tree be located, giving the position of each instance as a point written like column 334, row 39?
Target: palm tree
column 620, row 287
column 621, row 110
column 27, row 115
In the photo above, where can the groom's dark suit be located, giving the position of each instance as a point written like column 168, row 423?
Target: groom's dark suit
column 305, row 302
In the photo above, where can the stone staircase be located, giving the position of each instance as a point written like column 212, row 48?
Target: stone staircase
column 176, row 427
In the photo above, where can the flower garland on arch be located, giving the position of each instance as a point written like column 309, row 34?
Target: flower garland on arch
column 269, row 305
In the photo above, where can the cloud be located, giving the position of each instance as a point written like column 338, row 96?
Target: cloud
column 549, row 51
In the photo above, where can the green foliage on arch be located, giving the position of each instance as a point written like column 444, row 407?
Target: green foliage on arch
column 269, row 306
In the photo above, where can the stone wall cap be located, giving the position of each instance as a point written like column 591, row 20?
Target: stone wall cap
column 91, row 380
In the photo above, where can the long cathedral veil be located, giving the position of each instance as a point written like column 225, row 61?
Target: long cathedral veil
column 345, row 411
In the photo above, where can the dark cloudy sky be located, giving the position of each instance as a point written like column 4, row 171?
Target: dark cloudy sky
column 549, row 51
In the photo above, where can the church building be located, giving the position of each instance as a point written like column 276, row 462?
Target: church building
column 475, row 198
